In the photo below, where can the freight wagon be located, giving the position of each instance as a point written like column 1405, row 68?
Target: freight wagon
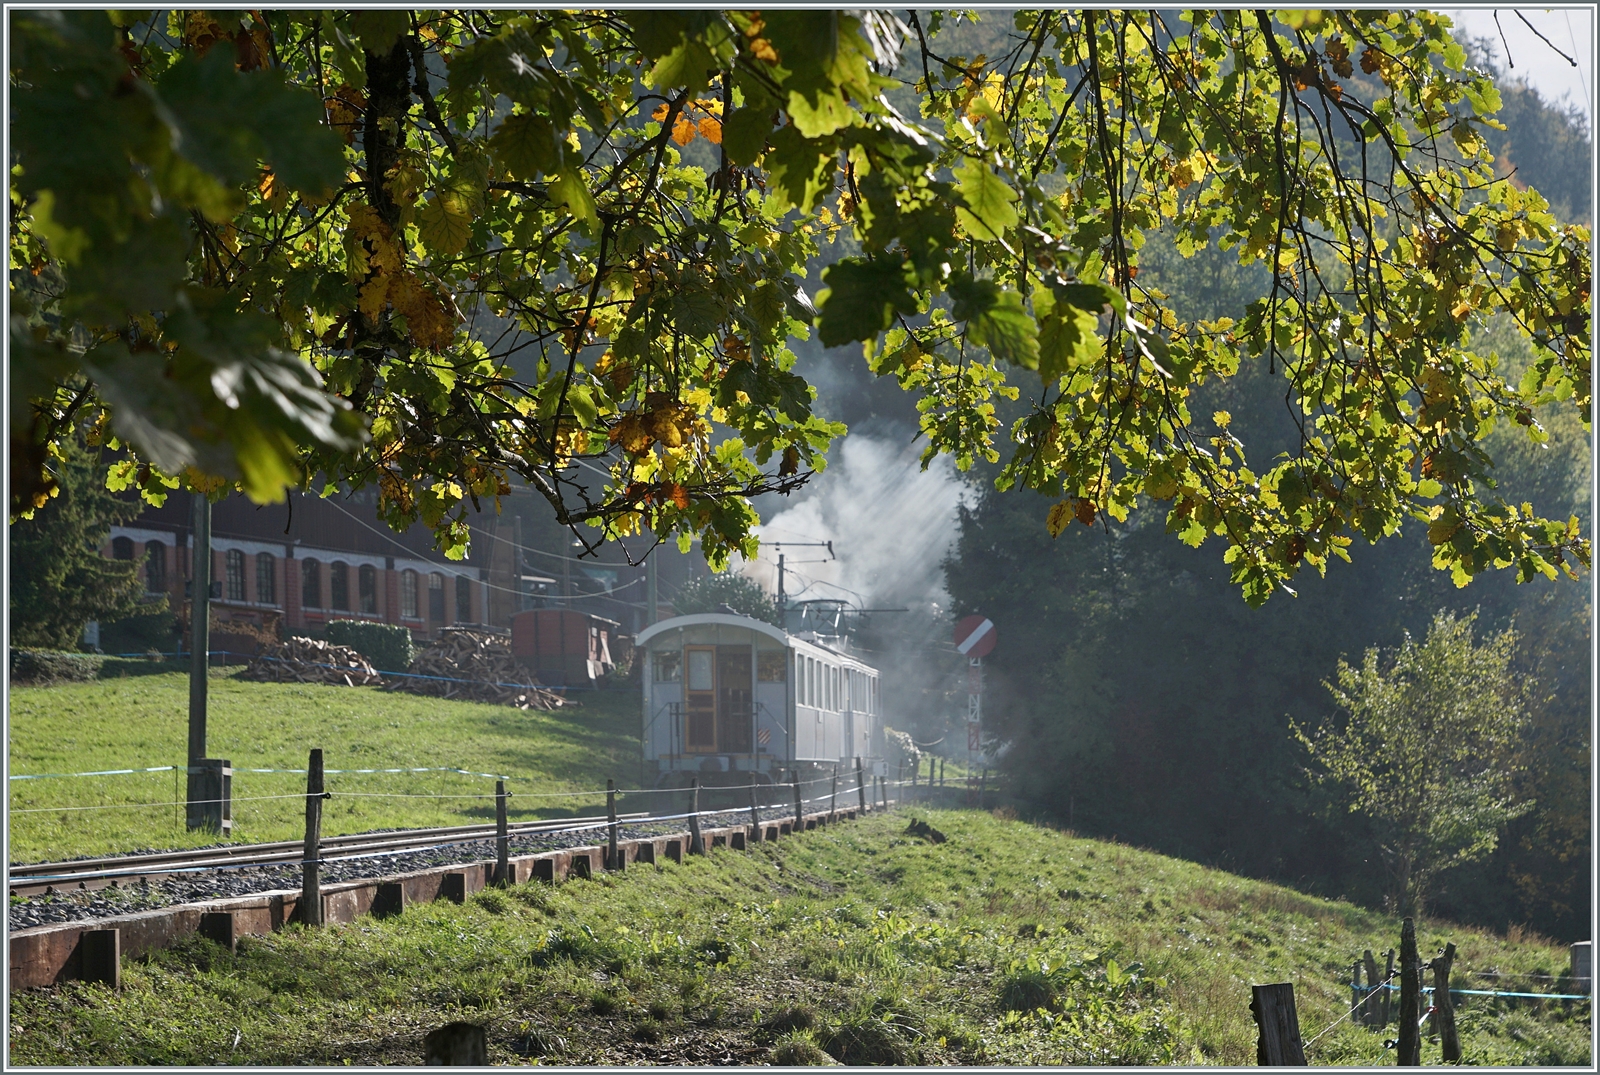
column 562, row 647
column 727, row 694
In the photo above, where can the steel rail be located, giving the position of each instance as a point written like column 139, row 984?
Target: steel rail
column 38, row 877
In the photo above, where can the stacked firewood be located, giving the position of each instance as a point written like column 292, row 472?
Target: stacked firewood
column 310, row 660
column 473, row 665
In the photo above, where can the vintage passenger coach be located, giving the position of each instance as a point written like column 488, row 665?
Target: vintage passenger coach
column 730, row 694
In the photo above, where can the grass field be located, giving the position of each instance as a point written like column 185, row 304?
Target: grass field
column 1008, row 944
column 141, row 721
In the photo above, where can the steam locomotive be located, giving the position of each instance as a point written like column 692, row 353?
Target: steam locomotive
column 727, row 696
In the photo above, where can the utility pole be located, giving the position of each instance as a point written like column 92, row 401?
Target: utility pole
column 199, row 646
column 780, row 582
column 650, row 588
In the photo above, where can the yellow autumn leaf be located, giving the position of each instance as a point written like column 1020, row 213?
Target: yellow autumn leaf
column 1060, row 515
column 660, row 113
column 711, row 130
column 683, row 131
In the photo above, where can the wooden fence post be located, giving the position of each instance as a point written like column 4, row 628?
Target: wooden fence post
column 1386, row 1009
column 309, row 908
column 941, row 772
column 799, row 808
column 1444, row 1010
column 1369, row 1010
column 611, row 827
column 833, row 796
column 1278, row 1044
column 755, row 814
column 696, row 847
column 861, row 788
column 502, row 836
column 1410, row 1038
column 931, row 763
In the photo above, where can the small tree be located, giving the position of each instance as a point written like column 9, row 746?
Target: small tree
column 59, row 580
column 739, row 593
column 1425, row 750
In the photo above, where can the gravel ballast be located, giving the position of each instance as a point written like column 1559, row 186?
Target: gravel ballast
column 78, row 905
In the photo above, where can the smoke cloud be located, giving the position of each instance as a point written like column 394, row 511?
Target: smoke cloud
column 890, row 522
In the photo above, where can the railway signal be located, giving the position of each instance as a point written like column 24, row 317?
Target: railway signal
column 974, row 638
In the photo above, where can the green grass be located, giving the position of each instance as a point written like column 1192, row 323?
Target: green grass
column 141, row 721
column 1009, row 944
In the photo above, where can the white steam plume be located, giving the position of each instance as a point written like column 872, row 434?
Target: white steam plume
column 891, row 524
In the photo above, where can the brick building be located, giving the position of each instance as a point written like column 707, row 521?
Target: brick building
column 287, row 569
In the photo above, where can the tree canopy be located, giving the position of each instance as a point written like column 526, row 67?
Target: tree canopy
column 433, row 251
column 1426, row 750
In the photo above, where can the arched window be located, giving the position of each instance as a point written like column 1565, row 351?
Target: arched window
column 233, row 569
column 408, row 594
column 367, row 583
column 266, row 579
column 436, row 597
column 122, row 548
column 339, row 585
column 463, row 599
column 310, row 583
column 155, row 567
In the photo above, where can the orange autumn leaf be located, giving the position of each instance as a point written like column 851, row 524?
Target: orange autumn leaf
column 762, row 49
column 683, row 131
column 680, row 497
column 711, row 130
column 660, row 113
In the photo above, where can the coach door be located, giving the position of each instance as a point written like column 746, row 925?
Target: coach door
column 700, row 699
column 733, row 700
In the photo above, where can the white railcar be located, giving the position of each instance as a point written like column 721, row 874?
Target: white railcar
column 730, row 694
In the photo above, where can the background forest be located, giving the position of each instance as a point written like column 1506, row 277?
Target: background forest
column 1135, row 695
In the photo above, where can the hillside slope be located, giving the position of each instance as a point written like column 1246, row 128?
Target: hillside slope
column 141, row 721
column 1006, row 944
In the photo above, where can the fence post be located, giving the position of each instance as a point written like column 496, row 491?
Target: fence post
column 611, row 829
column 1386, row 1009
column 1582, row 968
column 502, row 836
column 883, row 792
column 310, row 906
column 931, row 761
column 1358, row 1002
column 1445, row 1012
column 1278, row 1044
column 1409, row 1045
column 983, row 782
column 755, row 814
column 861, row 788
column 695, row 846
column 1369, row 1010
column 799, row 808
column 941, row 772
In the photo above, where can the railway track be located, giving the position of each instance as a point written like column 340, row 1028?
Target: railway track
column 42, row 878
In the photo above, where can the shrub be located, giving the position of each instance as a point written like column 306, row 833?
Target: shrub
column 798, row 1050
column 49, row 666
column 386, row 645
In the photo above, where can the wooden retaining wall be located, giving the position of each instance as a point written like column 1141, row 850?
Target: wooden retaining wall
column 45, row 955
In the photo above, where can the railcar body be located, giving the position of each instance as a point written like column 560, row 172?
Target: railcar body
column 730, row 694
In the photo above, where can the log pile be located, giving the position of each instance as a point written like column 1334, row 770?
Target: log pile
column 309, row 660
column 476, row 666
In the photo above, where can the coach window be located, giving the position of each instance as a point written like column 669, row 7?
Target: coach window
column 155, row 567
column 408, row 594
column 770, row 666
column 669, row 666
column 311, row 583
column 266, row 579
column 367, row 586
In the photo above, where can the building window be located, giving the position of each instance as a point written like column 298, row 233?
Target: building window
column 367, row 583
column 339, row 584
column 266, row 579
column 233, row 570
column 310, row 583
column 463, row 599
column 155, row 567
column 436, row 597
column 408, row 594
column 122, row 548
